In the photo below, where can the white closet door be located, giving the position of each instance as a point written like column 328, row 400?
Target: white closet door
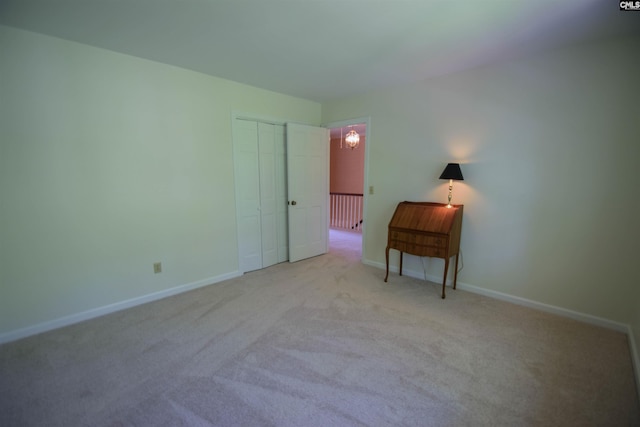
column 261, row 194
column 308, row 185
column 268, row 195
column 247, row 174
column 281, row 193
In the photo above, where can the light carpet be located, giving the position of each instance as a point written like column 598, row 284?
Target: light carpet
column 321, row 342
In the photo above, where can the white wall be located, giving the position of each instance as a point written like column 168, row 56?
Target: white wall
column 347, row 167
column 549, row 150
column 109, row 163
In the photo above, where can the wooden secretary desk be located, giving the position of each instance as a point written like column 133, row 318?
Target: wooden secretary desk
column 426, row 229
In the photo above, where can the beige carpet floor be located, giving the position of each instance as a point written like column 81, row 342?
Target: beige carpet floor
column 322, row 342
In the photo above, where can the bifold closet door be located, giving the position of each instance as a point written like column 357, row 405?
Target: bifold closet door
column 261, row 195
column 268, row 196
column 282, row 212
column 247, row 175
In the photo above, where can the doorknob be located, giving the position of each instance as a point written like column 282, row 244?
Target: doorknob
column 293, row 202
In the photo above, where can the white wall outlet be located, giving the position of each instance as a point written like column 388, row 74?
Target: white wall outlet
column 157, row 267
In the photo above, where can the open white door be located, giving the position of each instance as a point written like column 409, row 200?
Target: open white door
column 308, row 189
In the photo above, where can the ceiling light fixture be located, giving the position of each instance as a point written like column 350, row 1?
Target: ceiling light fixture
column 352, row 139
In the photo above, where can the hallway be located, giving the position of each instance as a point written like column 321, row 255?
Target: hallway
column 347, row 242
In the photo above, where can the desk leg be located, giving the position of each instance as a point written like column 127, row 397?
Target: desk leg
column 455, row 274
column 400, row 263
column 444, row 280
column 386, row 256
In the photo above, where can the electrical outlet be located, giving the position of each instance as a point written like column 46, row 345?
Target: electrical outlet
column 371, row 189
column 157, row 267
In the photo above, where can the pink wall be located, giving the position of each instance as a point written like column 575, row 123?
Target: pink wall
column 347, row 167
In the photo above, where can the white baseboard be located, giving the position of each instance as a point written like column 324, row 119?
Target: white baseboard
column 635, row 358
column 565, row 312
column 111, row 308
column 594, row 320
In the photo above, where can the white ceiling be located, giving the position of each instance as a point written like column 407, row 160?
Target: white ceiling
column 323, row 49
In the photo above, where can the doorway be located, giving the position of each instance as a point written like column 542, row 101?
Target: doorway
column 347, row 184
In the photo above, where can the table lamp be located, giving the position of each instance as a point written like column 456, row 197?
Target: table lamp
column 451, row 172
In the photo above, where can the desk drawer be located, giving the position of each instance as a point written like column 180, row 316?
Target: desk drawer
column 402, row 246
column 419, row 250
column 417, row 244
column 431, row 251
column 436, row 241
column 400, row 236
column 418, row 239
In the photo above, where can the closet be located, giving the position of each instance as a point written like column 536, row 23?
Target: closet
column 259, row 151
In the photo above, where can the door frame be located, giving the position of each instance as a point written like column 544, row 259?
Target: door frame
column 365, row 193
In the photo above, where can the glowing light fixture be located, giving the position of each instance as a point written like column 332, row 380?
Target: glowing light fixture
column 352, row 139
column 452, row 172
